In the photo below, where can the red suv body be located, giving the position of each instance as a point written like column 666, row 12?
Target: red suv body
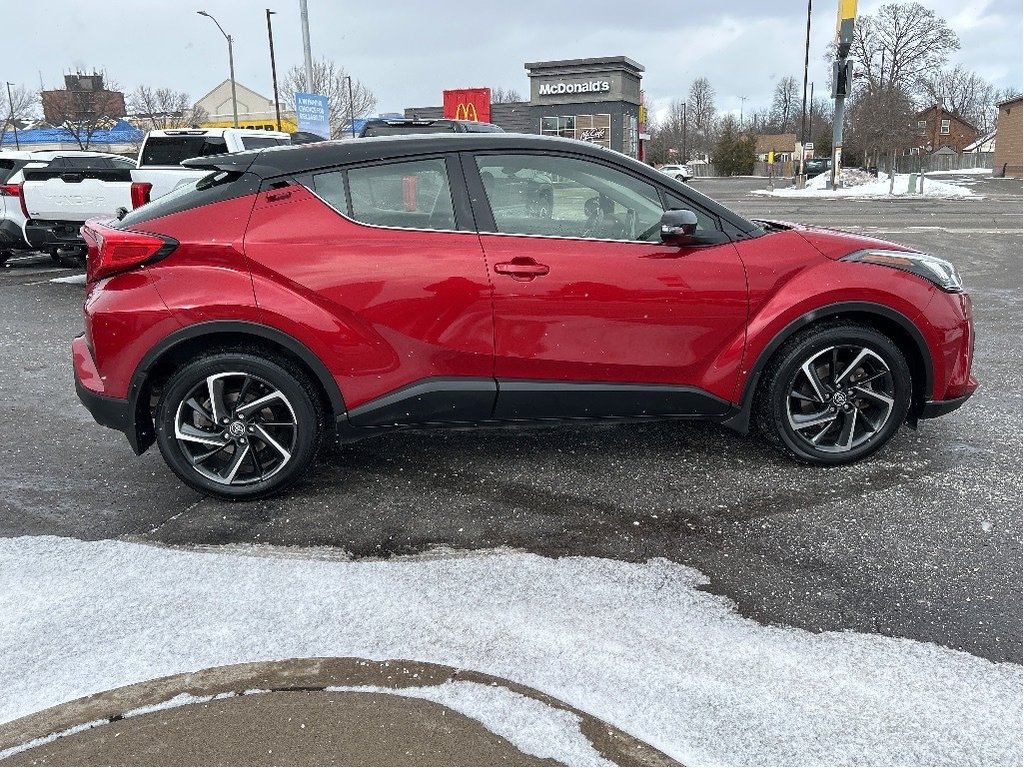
column 353, row 287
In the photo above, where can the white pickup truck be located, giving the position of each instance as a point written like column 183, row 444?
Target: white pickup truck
column 162, row 152
column 60, row 195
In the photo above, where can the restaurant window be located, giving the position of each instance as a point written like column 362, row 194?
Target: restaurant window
column 596, row 129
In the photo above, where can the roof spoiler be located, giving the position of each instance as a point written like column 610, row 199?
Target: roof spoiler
column 238, row 162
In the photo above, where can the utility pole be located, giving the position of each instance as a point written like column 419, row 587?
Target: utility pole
column 306, row 52
column 743, row 100
column 273, row 68
column 685, row 156
column 14, row 125
column 803, row 121
column 842, row 79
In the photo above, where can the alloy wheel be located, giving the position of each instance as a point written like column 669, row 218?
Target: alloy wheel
column 236, row 428
column 840, row 398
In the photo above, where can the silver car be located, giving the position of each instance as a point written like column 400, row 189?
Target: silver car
column 677, row 172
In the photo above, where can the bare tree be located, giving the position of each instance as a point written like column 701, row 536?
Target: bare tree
column 880, row 122
column 83, row 112
column 20, row 105
column 701, row 112
column 330, row 80
column 900, row 45
column 505, row 96
column 669, row 136
column 162, row 108
column 785, row 105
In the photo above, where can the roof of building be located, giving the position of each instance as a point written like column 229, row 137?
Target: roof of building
column 945, row 111
column 973, row 146
column 1009, row 101
column 776, row 142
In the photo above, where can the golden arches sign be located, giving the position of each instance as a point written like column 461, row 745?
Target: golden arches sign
column 466, row 112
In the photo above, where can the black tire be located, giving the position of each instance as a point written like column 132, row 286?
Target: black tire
column 805, row 412
column 263, row 447
column 681, row 177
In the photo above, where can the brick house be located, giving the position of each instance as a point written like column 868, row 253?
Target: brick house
column 1008, row 139
column 936, row 127
column 84, row 99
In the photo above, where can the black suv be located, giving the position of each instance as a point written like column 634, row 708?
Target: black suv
column 398, row 126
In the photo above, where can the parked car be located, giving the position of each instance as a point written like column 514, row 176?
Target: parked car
column 47, row 195
column 401, row 126
column 677, row 172
column 816, row 166
column 342, row 290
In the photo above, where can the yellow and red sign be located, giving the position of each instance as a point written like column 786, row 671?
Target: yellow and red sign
column 468, row 104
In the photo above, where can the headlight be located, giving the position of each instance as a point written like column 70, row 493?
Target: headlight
column 937, row 271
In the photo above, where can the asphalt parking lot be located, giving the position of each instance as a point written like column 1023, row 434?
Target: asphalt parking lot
column 921, row 542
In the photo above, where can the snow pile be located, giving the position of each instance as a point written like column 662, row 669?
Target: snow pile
column 638, row 645
column 857, row 183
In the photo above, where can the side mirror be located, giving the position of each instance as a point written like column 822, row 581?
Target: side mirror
column 678, row 226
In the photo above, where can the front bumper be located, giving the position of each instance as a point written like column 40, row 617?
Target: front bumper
column 933, row 409
column 113, row 412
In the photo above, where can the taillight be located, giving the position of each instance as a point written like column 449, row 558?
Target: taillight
column 14, row 190
column 114, row 250
column 140, row 193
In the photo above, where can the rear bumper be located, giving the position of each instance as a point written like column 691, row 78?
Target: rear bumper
column 113, row 412
column 44, row 235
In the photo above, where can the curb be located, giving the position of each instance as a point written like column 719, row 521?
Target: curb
column 315, row 674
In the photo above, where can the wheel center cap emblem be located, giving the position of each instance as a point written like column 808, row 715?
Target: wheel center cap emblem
column 237, row 429
column 839, row 398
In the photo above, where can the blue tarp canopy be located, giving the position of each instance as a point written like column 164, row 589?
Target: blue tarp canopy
column 121, row 132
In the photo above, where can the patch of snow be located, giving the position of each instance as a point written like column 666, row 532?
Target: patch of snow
column 531, row 726
column 962, row 172
column 636, row 644
column 856, row 183
column 70, row 279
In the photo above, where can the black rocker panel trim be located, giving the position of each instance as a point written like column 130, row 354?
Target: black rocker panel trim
column 534, row 400
column 430, row 401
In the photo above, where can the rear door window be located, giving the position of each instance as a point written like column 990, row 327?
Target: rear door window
column 411, row 195
column 172, row 150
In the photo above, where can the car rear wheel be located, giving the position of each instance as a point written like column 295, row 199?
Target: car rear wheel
column 834, row 394
column 239, row 426
column 681, row 177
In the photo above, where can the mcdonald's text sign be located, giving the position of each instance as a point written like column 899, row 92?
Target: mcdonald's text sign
column 468, row 104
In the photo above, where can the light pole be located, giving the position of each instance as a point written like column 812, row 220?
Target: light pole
column 351, row 109
column 803, row 120
column 231, row 63
column 685, row 156
column 14, row 125
column 273, row 68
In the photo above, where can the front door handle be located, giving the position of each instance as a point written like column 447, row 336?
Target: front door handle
column 522, row 268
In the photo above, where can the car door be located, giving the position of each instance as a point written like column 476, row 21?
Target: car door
column 398, row 266
column 593, row 315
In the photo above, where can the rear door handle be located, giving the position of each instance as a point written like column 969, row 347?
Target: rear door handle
column 522, row 268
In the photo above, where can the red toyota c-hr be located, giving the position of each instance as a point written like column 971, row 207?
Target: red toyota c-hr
column 347, row 288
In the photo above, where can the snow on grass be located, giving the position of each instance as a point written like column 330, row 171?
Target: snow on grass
column 962, row 172
column 531, row 726
column 860, row 184
column 638, row 645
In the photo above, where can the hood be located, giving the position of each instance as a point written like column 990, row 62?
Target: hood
column 832, row 243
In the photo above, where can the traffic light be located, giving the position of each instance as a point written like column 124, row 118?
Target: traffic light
column 842, row 78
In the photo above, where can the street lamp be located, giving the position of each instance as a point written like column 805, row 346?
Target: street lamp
column 231, row 63
column 273, row 67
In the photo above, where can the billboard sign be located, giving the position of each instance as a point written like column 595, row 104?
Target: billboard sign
column 313, row 114
column 468, row 104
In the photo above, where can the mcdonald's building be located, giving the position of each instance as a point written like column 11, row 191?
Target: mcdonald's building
column 597, row 100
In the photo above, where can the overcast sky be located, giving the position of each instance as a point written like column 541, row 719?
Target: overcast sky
column 407, row 52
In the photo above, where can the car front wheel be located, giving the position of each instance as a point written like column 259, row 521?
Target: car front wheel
column 835, row 394
column 237, row 425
